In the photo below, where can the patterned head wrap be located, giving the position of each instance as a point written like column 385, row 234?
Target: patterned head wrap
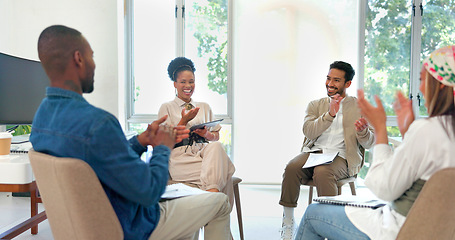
column 441, row 65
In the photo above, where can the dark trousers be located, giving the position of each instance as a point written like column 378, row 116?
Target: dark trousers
column 325, row 178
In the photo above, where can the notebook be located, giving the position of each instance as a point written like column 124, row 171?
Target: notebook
column 316, row 159
column 355, row 201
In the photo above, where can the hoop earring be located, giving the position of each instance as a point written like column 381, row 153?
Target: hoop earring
column 176, row 92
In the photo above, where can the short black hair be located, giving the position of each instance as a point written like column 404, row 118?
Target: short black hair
column 56, row 44
column 346, row 67
column 179, row 64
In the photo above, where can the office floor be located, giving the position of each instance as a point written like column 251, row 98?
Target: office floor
column 260, row 210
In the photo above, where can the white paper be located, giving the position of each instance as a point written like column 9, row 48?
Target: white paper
column 316, row 159
column 180, row 190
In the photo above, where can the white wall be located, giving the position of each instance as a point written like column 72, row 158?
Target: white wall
column 21, row 22
column 278, row 69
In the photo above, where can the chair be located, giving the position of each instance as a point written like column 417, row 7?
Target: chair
column 235, row 182
column 75, row 202
column 432, row 216
column 340, row 184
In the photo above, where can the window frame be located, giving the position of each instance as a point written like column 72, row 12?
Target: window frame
column 416, row 46
column 130, row 116
column 414, row 68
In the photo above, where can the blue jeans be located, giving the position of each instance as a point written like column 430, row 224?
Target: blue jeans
column 327, row 221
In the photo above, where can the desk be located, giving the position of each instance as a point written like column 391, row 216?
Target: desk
column 16, row 176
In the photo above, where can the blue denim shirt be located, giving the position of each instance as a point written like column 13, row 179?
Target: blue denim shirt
column 66, row 125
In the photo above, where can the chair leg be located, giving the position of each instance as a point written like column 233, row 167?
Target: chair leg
column 352, row 185
column 310, row 195
column 239, row 209
column 34, row 207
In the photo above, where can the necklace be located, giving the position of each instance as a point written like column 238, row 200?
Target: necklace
column 188, row 106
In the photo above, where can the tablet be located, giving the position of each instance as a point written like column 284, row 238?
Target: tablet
column 207, row 124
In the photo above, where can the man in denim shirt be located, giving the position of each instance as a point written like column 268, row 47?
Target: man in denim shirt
column 66, row 125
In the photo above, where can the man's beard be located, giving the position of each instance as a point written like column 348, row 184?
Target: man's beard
column 88, row 85
column 337, row 91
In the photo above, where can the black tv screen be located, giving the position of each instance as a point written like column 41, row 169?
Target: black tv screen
column 23, row 84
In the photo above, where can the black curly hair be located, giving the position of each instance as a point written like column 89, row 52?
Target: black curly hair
column 179, row 64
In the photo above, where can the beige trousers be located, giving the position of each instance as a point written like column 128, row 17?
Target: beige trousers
column 181, row 218
column 205, row 165
column 325, row 178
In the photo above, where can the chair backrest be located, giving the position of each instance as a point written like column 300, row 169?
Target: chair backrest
column 76, row 205
column 432, row 215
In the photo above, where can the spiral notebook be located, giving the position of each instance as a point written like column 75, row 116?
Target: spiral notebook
column 355, row 201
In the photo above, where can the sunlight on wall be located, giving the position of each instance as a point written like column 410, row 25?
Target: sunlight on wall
column 283, row 50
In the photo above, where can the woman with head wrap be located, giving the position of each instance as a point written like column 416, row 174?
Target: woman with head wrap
column 200, row 160
column 397, row 176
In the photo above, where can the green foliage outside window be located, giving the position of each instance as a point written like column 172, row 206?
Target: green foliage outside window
column 21, row 129
column 211, row 32
column 388, row 49
column 387, row 54
column 388, row 43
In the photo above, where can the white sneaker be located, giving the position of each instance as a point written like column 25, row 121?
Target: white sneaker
column 288, row 230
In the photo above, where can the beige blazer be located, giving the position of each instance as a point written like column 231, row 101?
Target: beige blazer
column 318, row 119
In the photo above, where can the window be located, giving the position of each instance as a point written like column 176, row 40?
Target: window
column 438, row 30
column 163, row 30
column 154, row 44
column 260, row 62
column 398, row 36
column 387, row 52
column 206, row 42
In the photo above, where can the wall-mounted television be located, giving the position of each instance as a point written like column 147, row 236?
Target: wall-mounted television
column 23, row 85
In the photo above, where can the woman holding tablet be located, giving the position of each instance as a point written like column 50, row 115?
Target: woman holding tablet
column 200, row 160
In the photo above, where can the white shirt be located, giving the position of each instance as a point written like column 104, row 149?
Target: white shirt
column 426, row 148
column 332, row 139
